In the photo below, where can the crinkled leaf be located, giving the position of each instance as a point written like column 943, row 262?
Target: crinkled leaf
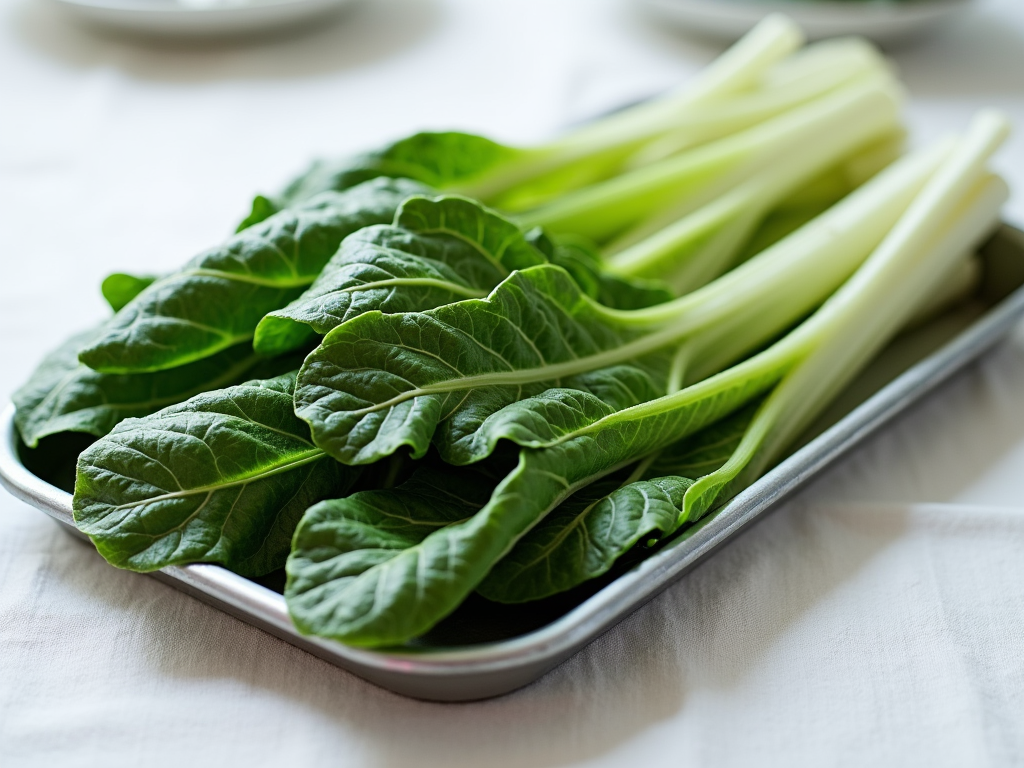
column 63, row 395
column 437, row 251
column 590, row 531
column 223, row 477
column 389, row 600
column 119, row 288
column 379, row 382
column 220, row 296
column 339, row 539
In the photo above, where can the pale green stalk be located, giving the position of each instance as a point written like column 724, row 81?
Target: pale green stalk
column 869, row 110
column 616, row 137
column 698, row 247
column 955, row 211
column 806, row 75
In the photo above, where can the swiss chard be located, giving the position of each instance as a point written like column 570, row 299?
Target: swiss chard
column 399, row 593
column 378, row 382
column 575, row 438
column 341, row 538
column 587, row 533
column 824, row 129
column 437, row 251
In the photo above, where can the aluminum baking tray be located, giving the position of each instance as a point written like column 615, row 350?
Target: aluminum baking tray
column 481, row 652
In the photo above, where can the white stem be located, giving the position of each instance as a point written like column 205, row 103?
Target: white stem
column 736, row 70
column 870, row 326
column 806, row 75
column 698, row 176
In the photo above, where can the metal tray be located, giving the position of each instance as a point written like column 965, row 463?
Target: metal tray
column 478, row 653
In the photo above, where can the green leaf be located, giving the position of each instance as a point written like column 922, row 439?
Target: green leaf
column 389, row 597
column 219, row 297
column 379, row 382
column 437, row 251
column 436, row 159
column 584, row 537
column 119, row 288
column 223, row 477
column 63, row 395
column 339, row 539
column 838, row 339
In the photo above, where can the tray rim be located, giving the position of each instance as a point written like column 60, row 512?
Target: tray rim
column 490, row 669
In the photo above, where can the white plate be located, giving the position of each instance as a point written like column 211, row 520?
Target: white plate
column 880, row 21
column 198, row 18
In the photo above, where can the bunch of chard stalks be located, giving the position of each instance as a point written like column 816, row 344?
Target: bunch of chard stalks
column 451, row 365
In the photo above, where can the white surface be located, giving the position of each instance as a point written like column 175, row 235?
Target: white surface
column 883, row 22
column 878, row 619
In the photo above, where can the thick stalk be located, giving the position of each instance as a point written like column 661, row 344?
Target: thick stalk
column 849, row 338
column 707, row 122
column 956, row 210
column 806, row 75
column 692, row 179
column 880, row 295
column 856, row 223
column 690, row 252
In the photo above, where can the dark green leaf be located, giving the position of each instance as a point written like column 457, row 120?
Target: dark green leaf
column 437, row 251
column 223, row 477
column 589, row 532
column 379, row 382
column 390, row 597
column 584, row 536
column 63, row 395
column 219, row 297
column 340, row 539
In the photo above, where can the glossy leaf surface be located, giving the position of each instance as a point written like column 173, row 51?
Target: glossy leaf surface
column 223, row 477
column 437, row 251
column 379, row 382
column 392, row 597
column 219, row 297
column 63, row 395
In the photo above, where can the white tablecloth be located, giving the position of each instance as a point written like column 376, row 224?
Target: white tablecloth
column 877, row 619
